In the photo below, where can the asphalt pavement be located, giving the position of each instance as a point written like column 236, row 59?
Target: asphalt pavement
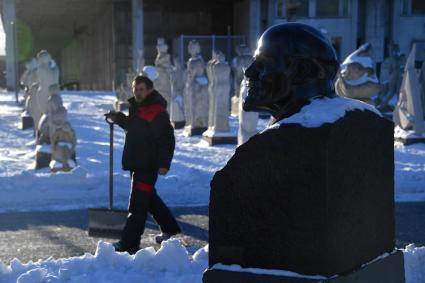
column 40, row 235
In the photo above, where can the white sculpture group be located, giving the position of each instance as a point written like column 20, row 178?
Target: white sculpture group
column 356, row 79
column 55, row 137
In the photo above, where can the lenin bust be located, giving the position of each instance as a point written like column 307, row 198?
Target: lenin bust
column 313, row 193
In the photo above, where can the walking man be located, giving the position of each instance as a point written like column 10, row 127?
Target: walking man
column 148, row 151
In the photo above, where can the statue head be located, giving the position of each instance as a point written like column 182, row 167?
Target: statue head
column 161, row 46
column 194, row 48
column 293, row 63
column 219, row 56
column 243, row 50
column 43, row 57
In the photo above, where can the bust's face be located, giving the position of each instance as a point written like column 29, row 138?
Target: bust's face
column 266, row 78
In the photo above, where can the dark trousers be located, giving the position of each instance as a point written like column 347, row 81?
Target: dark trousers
column 144, row 200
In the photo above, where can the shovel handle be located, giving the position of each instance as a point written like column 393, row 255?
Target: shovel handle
column 111, row 164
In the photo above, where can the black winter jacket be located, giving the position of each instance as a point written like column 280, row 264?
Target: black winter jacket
column 149, row 141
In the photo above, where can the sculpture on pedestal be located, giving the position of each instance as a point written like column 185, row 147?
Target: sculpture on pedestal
column 409, row 112
column 247, row 120
column 239, row 65
column 55, row 138
column 196, row 92
column 357, row 77
column 61, row 134
column 29, row 82
column 289, row 197
column 164, row 68
column 47, row 75
column 391, row 76
column 218, row 71
column 178, row 78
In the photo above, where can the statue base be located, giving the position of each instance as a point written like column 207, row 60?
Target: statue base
column 121, row 105
column 214, row 138
column 389, row 269
column 410, row 140
column 234, row 111
column 407, row 137
column 42, row 159
column 178, row 124
column 27, row 122
column 188, row 131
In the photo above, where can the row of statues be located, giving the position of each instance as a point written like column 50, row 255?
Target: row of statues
column 199, row 97
column 55, row 137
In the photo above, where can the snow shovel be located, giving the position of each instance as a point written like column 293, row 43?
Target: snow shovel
column 107, row 222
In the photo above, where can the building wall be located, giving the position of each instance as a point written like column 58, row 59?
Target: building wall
column 342, row 29
column 88, row 58
column 406, row 29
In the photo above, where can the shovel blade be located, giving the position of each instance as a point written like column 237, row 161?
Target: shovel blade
column 106, row 223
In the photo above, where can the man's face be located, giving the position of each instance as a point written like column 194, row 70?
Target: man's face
column 141, row 91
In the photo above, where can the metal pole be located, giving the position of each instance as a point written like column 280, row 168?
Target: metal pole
column 229, row 49
column 111, row 165
column 15, row 63
column 182, row 50
column 213, row 46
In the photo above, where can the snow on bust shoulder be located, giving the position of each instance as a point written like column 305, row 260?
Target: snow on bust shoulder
column 324, row 110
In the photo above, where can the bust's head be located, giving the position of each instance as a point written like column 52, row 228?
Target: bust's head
column 293, row 63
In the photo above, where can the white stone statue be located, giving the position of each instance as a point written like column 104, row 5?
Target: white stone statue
column 422, row 83
column 164, row 68
column 47, row 74
column 409, row 112
column 178, row 78
column 140, row 61
column 391, row 76
column 219, row 94
column 357, row 77
column 247, row 120
column 239, row 64
column 29, row 82
column 196, row 92
column 124, row 92
column 57, row 131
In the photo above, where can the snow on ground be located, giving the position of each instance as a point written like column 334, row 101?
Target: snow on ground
column 171, row 263
column 187, row 184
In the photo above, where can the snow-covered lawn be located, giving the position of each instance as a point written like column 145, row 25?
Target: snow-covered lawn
column 187, row 184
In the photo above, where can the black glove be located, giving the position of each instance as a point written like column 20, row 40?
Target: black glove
column 112, row 117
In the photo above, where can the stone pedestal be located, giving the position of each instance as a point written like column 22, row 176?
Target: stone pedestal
column 189, row 131
column 305, row 199
column 43, row 156
column 26, row 121
column 178, row 124
column 389, row 269
column 407, row 137
column 214, row 138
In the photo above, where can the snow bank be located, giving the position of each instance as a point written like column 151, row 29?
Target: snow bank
column 171, row 263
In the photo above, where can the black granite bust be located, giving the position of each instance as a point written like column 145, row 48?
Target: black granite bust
column 314, row 200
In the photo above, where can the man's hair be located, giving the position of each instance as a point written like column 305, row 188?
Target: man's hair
column 143, row 79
